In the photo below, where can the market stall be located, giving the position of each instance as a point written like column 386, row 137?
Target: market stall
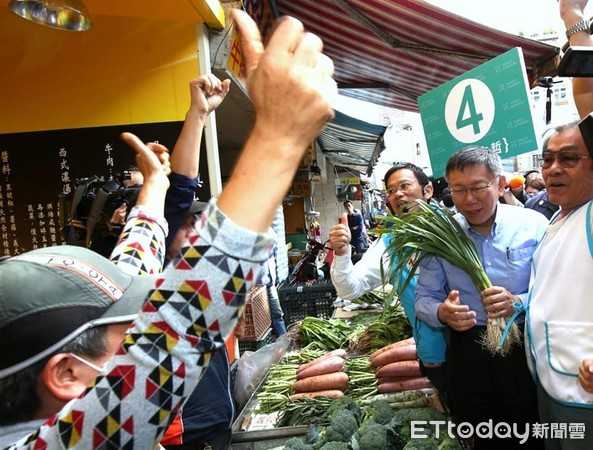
column 334, row 380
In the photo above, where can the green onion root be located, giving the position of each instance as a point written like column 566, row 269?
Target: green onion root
column 493, row 335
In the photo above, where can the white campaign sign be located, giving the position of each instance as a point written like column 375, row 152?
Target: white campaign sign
column 469, row 110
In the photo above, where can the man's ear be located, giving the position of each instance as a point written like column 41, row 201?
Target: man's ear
column 64, row 378
column 428, row 191
column 502, row 183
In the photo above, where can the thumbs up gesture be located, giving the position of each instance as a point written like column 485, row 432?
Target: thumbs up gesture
column 339, row 237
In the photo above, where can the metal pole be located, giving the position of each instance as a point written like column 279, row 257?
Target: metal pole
column 210, row 132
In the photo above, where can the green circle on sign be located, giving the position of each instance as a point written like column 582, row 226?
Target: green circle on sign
column 469, row 110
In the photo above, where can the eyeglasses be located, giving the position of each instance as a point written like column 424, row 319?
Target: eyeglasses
column 405, row 187
column 566, row 158
column 460, row 191
column 87, row 362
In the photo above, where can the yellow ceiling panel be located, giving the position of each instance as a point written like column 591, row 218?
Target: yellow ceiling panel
column 208, row 11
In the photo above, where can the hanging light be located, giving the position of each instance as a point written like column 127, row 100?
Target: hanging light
column 68, row 15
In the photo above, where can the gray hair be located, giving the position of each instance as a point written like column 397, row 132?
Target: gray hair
column 474, row 156
column 553, row 131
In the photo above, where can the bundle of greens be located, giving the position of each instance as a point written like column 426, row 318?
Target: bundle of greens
column 362, row 382
column 323, row 334
column 392, row 325
column 426, row 232
column 371, row 298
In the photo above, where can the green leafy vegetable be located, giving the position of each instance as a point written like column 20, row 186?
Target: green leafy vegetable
column 427, row 232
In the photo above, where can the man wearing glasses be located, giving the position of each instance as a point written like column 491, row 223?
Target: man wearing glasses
column 560, row 312
column 405, row 183
column 560, row 316
column 483, row 387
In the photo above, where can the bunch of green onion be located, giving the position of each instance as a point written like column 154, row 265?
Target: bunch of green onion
column 428, row 231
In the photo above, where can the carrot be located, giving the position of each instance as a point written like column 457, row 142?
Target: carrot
column 327, row 365
column 339, row 352
column 410, row 384
column 390, row 346
column 383, row 380
column 401, row 353
column 331, row 393
column 336, row 380
column 399, row 369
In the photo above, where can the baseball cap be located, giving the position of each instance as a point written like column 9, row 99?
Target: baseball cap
column 50, row 296
column 197, row 207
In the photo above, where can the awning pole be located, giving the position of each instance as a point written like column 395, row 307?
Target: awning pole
column 210, row 132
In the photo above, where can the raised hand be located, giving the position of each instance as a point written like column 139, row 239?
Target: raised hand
column 207, row 93
column 565, row 6
column 291, row 68
column 153, row 161
column 340, row 236
column 291, row 87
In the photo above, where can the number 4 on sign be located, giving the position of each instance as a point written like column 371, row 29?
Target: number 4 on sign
column 467, row 112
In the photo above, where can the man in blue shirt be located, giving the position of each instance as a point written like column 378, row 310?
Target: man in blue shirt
column 481, row 386
column 405, row 183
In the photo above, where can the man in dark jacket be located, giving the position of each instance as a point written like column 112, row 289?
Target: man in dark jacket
column 540, row 203
column 360, row 240
column 206, row 418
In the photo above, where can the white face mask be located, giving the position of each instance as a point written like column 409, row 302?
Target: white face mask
column 87, row 363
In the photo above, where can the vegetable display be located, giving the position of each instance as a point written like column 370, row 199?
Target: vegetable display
column 335, row 380
column 348, row 401
column 371, row 298
column 426, row 232
column 373, row 425
column 398, row 368
column 392, row 325
column 324, row 334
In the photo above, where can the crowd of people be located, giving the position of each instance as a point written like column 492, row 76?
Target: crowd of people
column 539, row 263
column 129, row 352
column 122, row 347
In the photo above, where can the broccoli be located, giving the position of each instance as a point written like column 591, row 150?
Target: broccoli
column 401, row 424
column 335, row 446
column 343, row 425
column 371, row 436
column 341, row 404
column 296, row 443
column 429, row 443
column 378, row 411
column 406, row 415
column 403, row 417
column 446, row 442
column 314, row 434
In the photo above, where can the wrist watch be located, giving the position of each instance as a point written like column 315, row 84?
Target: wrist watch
column 583, row 25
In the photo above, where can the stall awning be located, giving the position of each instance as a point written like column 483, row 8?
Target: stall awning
column 391, row 52
column 352, row 143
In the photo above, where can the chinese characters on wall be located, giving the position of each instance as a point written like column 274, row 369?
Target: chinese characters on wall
column 40, row 170
column 10, row 243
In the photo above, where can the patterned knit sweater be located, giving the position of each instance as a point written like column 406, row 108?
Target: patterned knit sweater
column 192, row 310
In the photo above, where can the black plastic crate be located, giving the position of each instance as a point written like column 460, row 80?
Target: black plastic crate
column 299, row 300
column 253, row 345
